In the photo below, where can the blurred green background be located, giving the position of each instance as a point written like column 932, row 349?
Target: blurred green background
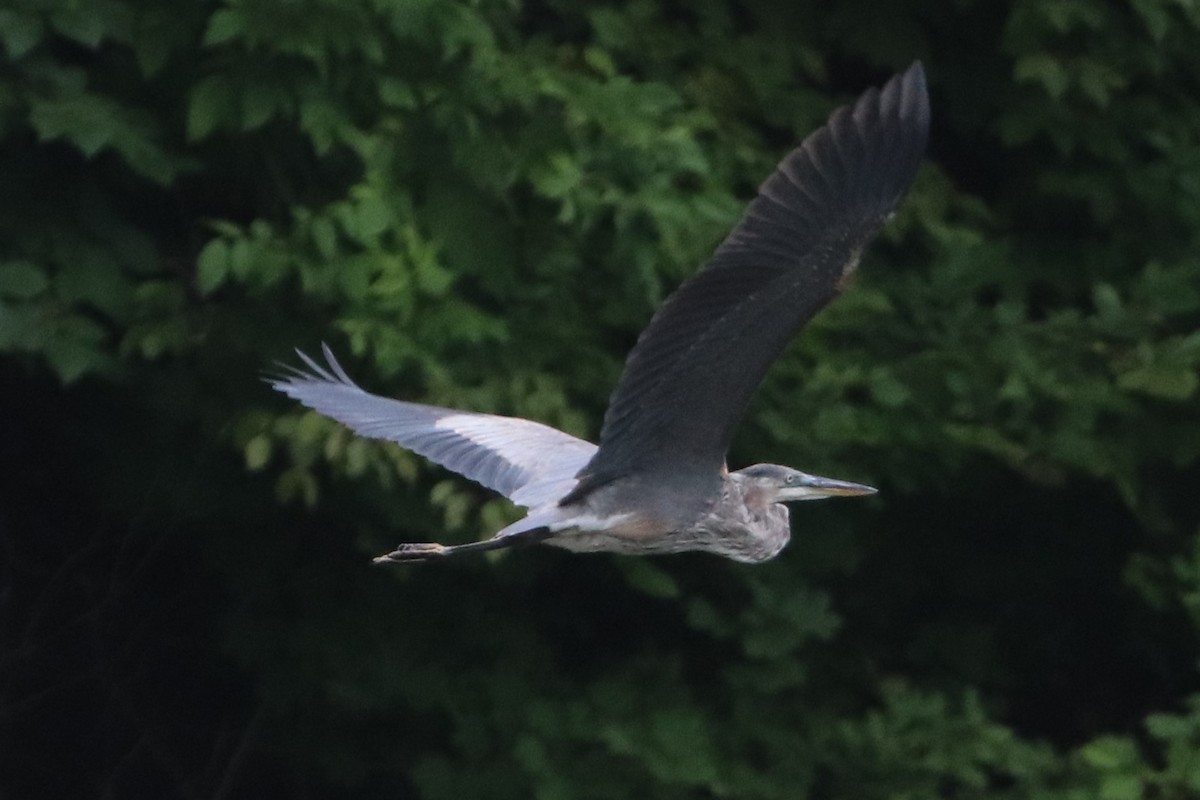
column 480, row 204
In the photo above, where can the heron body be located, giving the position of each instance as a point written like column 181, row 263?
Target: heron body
column 657, row 480
column 744, row 522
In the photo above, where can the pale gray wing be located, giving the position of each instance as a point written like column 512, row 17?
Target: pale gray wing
column 689, row 378
column 527, row 462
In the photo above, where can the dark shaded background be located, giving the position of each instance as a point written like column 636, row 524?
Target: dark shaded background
column 479, row 205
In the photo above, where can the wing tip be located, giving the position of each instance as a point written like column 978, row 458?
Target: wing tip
column 913, row 87
column 284, row 377
column 901, row 107
column 891, row 127
column 865, row 156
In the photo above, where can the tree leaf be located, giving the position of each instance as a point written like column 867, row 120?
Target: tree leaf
column 212, row 266
column 19, row 32
column 208, row 106
column 22, row 280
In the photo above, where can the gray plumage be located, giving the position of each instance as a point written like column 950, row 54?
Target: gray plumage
column 527, row 462
column 657, row 482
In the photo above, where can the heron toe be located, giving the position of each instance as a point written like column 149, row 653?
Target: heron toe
column 413, row 551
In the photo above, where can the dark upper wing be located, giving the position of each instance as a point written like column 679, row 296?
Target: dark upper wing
column 526, row 461
column 691, row 374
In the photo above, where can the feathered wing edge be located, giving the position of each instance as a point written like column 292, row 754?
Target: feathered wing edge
column 530, row 463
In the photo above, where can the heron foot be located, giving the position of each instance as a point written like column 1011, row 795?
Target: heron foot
column 412, row 552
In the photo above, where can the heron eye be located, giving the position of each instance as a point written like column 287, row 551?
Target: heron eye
column 790, row 479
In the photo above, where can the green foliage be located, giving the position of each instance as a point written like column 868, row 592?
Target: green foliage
column 479, row 204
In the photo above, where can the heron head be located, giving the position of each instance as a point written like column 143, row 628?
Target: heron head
column 785, row 485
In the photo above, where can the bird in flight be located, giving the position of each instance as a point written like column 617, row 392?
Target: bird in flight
column 657, row 482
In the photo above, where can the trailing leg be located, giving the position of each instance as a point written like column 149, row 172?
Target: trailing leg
column 412, row 552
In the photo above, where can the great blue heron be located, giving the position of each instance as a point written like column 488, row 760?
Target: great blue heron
column 658, row 483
